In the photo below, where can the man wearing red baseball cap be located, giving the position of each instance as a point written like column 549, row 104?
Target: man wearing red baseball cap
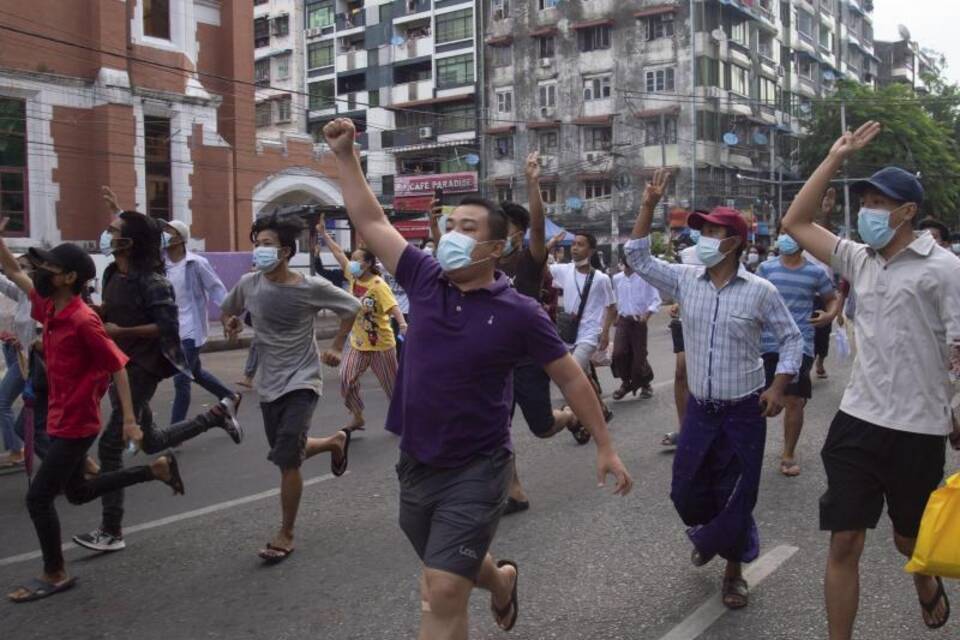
column 724, row 310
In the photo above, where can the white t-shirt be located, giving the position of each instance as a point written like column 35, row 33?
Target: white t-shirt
column 566, row 277
column 177, row 275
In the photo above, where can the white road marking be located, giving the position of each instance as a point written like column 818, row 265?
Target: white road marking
column 711, row 610
column 186, row 515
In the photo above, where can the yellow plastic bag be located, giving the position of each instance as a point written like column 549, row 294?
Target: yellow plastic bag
column 938, row 546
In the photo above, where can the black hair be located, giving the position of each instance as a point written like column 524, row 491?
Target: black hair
column 517, row 214
column 144, row 232
column 591, row 239
column 496, row 218
column 287, row 228
column 932, row 223
column 370, row 259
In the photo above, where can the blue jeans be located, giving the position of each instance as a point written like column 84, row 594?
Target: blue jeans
column 181, row 382
column 10, row 389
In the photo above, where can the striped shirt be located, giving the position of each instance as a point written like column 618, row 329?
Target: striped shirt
column 722, row 327
column 798, row 287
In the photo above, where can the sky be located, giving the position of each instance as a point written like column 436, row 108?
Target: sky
column 932, row 24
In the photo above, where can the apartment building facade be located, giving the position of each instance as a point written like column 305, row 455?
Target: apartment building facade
column 154, row 98
column 608, row 90
column 904, row 62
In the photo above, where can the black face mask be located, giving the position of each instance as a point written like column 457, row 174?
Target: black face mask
column 43, row 283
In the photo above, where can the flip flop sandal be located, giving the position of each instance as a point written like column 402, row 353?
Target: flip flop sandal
column 670, row 439
column 175, row 482
column 621, row 393
column 272, row 554
column 513, row 606
column 735, row 593
column 607, row 415
column 930, row 607
column 340, row 468
column 515, row 506
column 577, row 430
column 40, row 589
column 645, row 394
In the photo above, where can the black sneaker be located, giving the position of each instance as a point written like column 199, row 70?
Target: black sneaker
column 228, row 421
column 100, row 540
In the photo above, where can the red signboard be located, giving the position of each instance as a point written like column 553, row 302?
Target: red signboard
column 462, row 182
column 419, row 204
column 413, row 229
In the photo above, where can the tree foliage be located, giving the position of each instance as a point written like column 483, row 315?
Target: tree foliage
column 919, row 134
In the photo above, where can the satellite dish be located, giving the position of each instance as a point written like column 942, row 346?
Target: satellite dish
column 575, row 203
column 904, row 32
column 760, row 138
column 730, row 139
column 472, row 159
column 397, row 40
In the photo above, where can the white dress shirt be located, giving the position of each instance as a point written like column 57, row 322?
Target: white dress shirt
column 722, row 327
column 635, row 297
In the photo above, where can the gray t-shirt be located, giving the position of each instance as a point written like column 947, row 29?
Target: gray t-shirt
column 283, row 317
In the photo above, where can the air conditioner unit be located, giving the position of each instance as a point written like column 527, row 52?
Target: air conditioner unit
column 312, row 33
column 426, row 133
column 593, row 157
column 546, row 112
column 546, row 62
column 781, row 71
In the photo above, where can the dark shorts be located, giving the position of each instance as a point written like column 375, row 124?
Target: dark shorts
column 676, row 331
column 803, row 387
column 451, row 515
column 531, row 391
column 821, row 335
column 286, row 422
column 867, row 464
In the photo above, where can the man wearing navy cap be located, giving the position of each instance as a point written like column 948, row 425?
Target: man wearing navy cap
column 724, row 309
column 886, row 442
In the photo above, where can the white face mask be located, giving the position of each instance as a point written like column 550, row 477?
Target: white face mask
column 753, row 258
column 582, row 263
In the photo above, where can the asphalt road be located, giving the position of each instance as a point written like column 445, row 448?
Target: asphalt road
column 592, row 566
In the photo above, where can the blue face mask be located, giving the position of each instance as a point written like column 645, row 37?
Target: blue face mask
column 874, row 227
column 106, row 243
column 708, row 250
column 455, row 251
column 695, row 235
column 788, row 246
column 165, row 240
column 355, row 268
column 266, row 259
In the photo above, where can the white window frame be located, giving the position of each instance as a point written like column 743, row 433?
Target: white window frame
column 504, row 100
column 547, row 94
column 599, row 87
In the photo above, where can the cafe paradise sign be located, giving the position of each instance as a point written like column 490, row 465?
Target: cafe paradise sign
column 462, row 182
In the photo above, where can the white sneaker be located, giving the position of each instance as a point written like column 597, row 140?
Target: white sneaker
column 100, row 540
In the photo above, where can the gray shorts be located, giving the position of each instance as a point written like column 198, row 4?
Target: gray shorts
column 286, row 422
column 451, row 515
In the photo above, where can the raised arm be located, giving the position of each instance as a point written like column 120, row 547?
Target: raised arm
column 10, row 265
column 365, row 212
column 652, row 194
column 555, row 240
column 436, row 212
column 335, row 249
column 538, row 223
column 800, row 219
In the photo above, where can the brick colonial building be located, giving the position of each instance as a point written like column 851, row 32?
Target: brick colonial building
column 152, row 97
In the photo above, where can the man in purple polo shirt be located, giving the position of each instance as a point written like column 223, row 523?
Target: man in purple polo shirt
column 452, row 401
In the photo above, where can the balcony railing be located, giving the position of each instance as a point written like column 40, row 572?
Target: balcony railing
column 414, row 48
column 407, row 7
column 410, row 91
column 352, row 60
column 351, row 20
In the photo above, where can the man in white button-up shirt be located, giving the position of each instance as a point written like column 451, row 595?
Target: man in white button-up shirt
column 887, row 441
column 636, row 302
column 724, row 309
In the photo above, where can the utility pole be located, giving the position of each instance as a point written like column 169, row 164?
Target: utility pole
column 693, row 105
column 846, row 182
column 773, row 175
column 663, row 164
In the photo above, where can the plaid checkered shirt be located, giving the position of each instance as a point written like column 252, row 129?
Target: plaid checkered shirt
column 722, row 327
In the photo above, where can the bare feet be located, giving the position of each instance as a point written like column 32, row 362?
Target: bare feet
column 357, row 424
column 246, row 383
column 789, row 467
